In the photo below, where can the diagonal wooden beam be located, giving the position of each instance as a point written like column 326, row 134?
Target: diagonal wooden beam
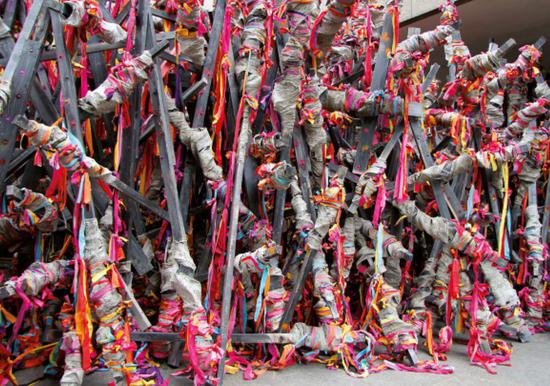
column 20, row 70
column 382, row 61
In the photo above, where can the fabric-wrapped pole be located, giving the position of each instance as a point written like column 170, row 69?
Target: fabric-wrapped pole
column 118, row 86
column 302, row 216
column 312, row 119
column 5, row 92
column 197, row 140
column 361, row 103
column 106, row 301
column 525, row 116
column 73, row 374
column 87, row 14
column 37, row 277
column 497, row 82
column 404, row 58
column 31, row 211
column 477, row 66
column 464, row 163
column 328, row 26
column 189, row 32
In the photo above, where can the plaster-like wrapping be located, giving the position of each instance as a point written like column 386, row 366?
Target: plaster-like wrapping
column 337, row 13
column 191, row 44
column 400, row 333
column 404, row 59
column 5, row 93
column 275, row 176
column 37, row 277
column 197, row 140
column 118, row 86
column 525, row 116
column 361, row 103
column 315, row 134
column 87, row 14
column 302, row 216
column 105, row 300
column 73, row 374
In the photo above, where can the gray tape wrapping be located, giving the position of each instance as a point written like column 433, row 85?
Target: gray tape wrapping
column 330, row 24
column 477, row 66
column 485, row 317
column 192, row 46
column 496, row 83
column 302, row 216
column 326, row 216
column 106, row 301
column 93, row 21
column 316, row 136
column 348, row 232
column 324, row 338
column 197, row 140
column 464, row 163
column 403, row 60
column 192, row 49
column 442, row 276
column 285, row 97
column 502, row 290
column 366, row 187
column 177, row 275
column 517, row 96
column 468, row 242
column 275, row 176
column 361, row 103
column 73, row 373
column 70, row 154
column 392, row 248
column 525, row 116
column 5, row 92
column 37, row 277
column 324, row 288
column 542, row 90
column 286, row 91
column 255, row 262
column 118, row 86
column 400, row 333
column 248, row 65
column 16, row 223
column 456, row 49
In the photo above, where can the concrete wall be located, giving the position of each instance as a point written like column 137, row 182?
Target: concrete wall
column 413, row 8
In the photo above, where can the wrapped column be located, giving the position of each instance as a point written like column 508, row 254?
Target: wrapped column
column 106, row 302
column 256, row 262
column 315, row 134
column 329, row 25
column 189, row 32
column 404, row 58
column 87, row 15
column 197, row 140
column 498, row 82
column 31, row 211
column 286, row 92
column 73, row 373
column 329, row 207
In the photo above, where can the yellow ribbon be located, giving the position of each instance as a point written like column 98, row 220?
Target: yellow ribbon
column 505, row 176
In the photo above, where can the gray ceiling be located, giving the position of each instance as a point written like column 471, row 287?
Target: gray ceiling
column 482, row 20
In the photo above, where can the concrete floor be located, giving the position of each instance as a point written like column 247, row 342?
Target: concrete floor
column 530, row 366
